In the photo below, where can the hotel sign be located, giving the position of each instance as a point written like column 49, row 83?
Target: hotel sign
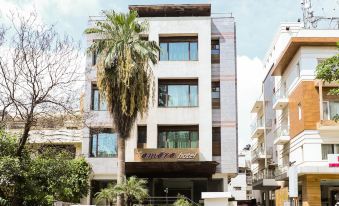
column 166, row 155
column 333, row 160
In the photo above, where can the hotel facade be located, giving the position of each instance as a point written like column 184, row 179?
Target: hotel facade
column 295, row 142
column 187, row 142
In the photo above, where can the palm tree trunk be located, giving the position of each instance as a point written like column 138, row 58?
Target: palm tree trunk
column 121, row 167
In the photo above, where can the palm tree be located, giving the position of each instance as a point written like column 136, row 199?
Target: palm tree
column 124, row 72
column 108, row 195
column 133, row 189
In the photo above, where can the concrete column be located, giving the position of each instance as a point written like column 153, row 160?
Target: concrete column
column 225, row 183
column 311, row 191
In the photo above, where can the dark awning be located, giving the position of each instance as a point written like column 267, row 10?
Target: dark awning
column 183, row 169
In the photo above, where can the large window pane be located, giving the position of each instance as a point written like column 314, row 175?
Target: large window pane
column 163, row 52
column 325, row 110
column 178, row 48
column 334, row 109
column 98, row 101
column 326, row 149
column 178, row 51
column 193, row 51
column 178, row 137
column 193, row 95
column 178, row 95
column 103, row 144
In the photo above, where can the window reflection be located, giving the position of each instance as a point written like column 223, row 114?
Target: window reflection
column 178, row 94
column 103, row 143
column 178, row 137
column 178, row 49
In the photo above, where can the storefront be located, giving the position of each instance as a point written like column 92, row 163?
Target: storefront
column 175, row 171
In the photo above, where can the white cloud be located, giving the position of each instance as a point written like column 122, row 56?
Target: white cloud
column 250, row 75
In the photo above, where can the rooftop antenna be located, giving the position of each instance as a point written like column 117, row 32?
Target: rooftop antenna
column 311, row 21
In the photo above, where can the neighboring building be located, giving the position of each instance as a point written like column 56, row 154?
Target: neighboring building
column 241, row 185
column 293, row 126
column 194, row 118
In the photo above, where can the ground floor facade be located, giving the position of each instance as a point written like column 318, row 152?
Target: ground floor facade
column 313, row 190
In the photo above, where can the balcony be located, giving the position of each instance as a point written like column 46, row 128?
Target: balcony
column 281, row 173
column 281, row 134
column 280, row 99
column 328, row 125
column 258, row 105
column 258, row 153
column 264, row 179
column 257, row 127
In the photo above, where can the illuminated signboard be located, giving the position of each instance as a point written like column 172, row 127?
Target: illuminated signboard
column 166, row 155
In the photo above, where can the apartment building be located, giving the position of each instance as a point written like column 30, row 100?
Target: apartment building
column 293, row 126
column 241, row 185
column 187, row 143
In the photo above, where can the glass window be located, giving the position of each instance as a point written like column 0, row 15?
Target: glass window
column 178, row 93
column 215, row 95
column 193, row 51
column 98, row 102
column 215, row 51
column 142, row 136
column 178, row 137
column 164, row 51
column 103, row 143
column 326, row 149
column 326, row 115
column 334, row 109
column 178, row 48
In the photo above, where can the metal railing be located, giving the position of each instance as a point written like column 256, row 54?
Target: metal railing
column 282, row 130
column 280, row 93
column 257, row 122
column 257, row 152
column 263, row 174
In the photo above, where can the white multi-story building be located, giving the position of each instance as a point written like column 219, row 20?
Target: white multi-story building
column 293, row 120
column 194, row 117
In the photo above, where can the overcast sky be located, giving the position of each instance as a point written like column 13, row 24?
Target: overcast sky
column 257, row 23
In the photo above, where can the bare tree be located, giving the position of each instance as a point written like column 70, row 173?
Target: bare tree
column 39, row 71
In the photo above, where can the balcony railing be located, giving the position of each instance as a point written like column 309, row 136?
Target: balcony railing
column 280, row 98
column 257, row 123
column 281, row 172
column 257, row 153
column 263, row 174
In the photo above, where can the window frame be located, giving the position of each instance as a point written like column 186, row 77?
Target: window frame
column 189, row 128
column 93, row 89
column 141, row 144
column 178, row 39
column 177, row 82
column 215, row 101
column 97, row 131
